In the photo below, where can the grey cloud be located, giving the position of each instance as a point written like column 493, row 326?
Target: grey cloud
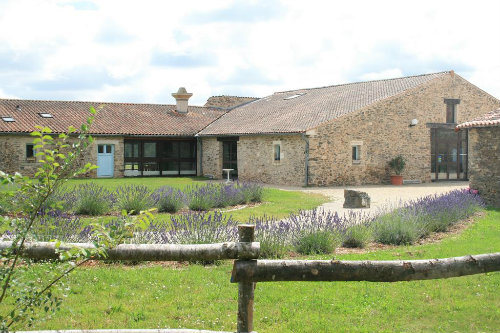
column 112, row 33
column 390, row 55
column 166, row 59
column 81, row 5
column 240, row 11
column 247, row 76
column 79, row 78
column 19, row 61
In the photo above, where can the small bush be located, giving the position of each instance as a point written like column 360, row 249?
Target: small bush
column 397, row 228
column 358, row 235
column 319, row 242
column 92, row 199
column 134, row 198
column 252, row 192
column 169, row 200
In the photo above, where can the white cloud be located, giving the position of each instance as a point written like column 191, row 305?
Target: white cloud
column 143, row 51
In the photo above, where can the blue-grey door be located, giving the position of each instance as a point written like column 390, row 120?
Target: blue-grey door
column 105, row 160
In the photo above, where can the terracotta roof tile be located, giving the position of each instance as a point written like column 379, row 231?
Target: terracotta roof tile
column 284, row 113
column 111, row 119
column 487, row 120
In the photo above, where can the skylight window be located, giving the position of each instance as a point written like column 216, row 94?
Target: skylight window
column 8, row 119
column 294, row 96
column 45, row 115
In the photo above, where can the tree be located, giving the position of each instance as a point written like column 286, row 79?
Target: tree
column 24, row 297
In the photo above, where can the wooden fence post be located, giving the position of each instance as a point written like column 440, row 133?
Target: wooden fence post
column 246, row 233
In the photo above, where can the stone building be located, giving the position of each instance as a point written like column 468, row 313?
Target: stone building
column 346, row 134
column 130, row 139
column 484, row 155
column 343, row 134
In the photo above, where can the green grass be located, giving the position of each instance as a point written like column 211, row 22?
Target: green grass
column 193, row 296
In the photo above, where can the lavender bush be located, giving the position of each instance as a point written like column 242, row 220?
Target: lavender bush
column 134, row 198
column 169, row 200
column 56, row 225
column 222, row 195
column 92, row 199
column 192, row 228
column 418, row 218
column 358, row 235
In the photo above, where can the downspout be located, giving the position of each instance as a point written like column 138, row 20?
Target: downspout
column 306, row 166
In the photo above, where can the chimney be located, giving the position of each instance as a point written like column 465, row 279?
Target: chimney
column 181, row 98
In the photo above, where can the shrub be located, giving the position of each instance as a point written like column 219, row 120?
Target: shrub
column 397, row 228
column 358, row 235
column 195, row 228
column 134, row 198
column 61, row 226
column 169, row 200
column 274, row 237
column 92, row 199
column 202, row 197
column 251, row 192
column 319, row 242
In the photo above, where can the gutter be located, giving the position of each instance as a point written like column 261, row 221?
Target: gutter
column 306, row 165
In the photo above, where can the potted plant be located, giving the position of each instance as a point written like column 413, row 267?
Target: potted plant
column 397, row 164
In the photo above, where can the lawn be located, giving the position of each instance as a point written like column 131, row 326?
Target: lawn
column 275, row 202
column 193, row 296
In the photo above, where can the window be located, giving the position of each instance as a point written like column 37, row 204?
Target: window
column 451, row 110
column 8, row 119
column 132, row 149
column 293, row 96
column 356, row 153
column 45, row 115
column 277, row 151
column 149, row 149
column 30, row 151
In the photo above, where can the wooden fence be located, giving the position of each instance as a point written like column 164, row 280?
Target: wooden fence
column 247, row 271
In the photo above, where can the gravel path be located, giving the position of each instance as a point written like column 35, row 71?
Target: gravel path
column 381, row 195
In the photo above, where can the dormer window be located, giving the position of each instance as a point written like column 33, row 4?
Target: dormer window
column 45, row 115
column 8, row 119
column 451, row 110
column 294, row 96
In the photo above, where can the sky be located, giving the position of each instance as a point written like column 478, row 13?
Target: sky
column 142, row 51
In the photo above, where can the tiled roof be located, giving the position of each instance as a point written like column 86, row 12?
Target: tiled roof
column 227, row 102
column 488, row 120
column 296, row 111
column 111, row 119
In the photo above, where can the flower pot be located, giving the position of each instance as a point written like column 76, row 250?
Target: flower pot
column 397, row 180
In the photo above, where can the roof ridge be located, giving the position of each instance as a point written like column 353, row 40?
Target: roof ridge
column 358, row 82
column 97, row 103
column 234, row 96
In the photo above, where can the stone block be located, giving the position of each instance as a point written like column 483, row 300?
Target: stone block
column 356, row 199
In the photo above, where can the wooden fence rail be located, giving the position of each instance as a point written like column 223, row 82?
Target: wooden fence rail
column 375, row 271
column 150, row 252
column 247, row 271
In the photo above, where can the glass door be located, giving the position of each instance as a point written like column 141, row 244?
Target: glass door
column 230, row 157
column 448, row 154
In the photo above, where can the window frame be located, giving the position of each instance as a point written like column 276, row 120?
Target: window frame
column 31, row 158
column 277, row 155
column 356, row 152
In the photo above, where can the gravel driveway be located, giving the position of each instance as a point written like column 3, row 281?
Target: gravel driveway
column 381, row 195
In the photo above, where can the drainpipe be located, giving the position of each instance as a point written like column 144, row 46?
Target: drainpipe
column 306, row 166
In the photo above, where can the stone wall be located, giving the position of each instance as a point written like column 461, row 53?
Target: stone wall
column 13, row 154
column 382, row 131
column 211, row 159
column 484, row 163
column 256, row 159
